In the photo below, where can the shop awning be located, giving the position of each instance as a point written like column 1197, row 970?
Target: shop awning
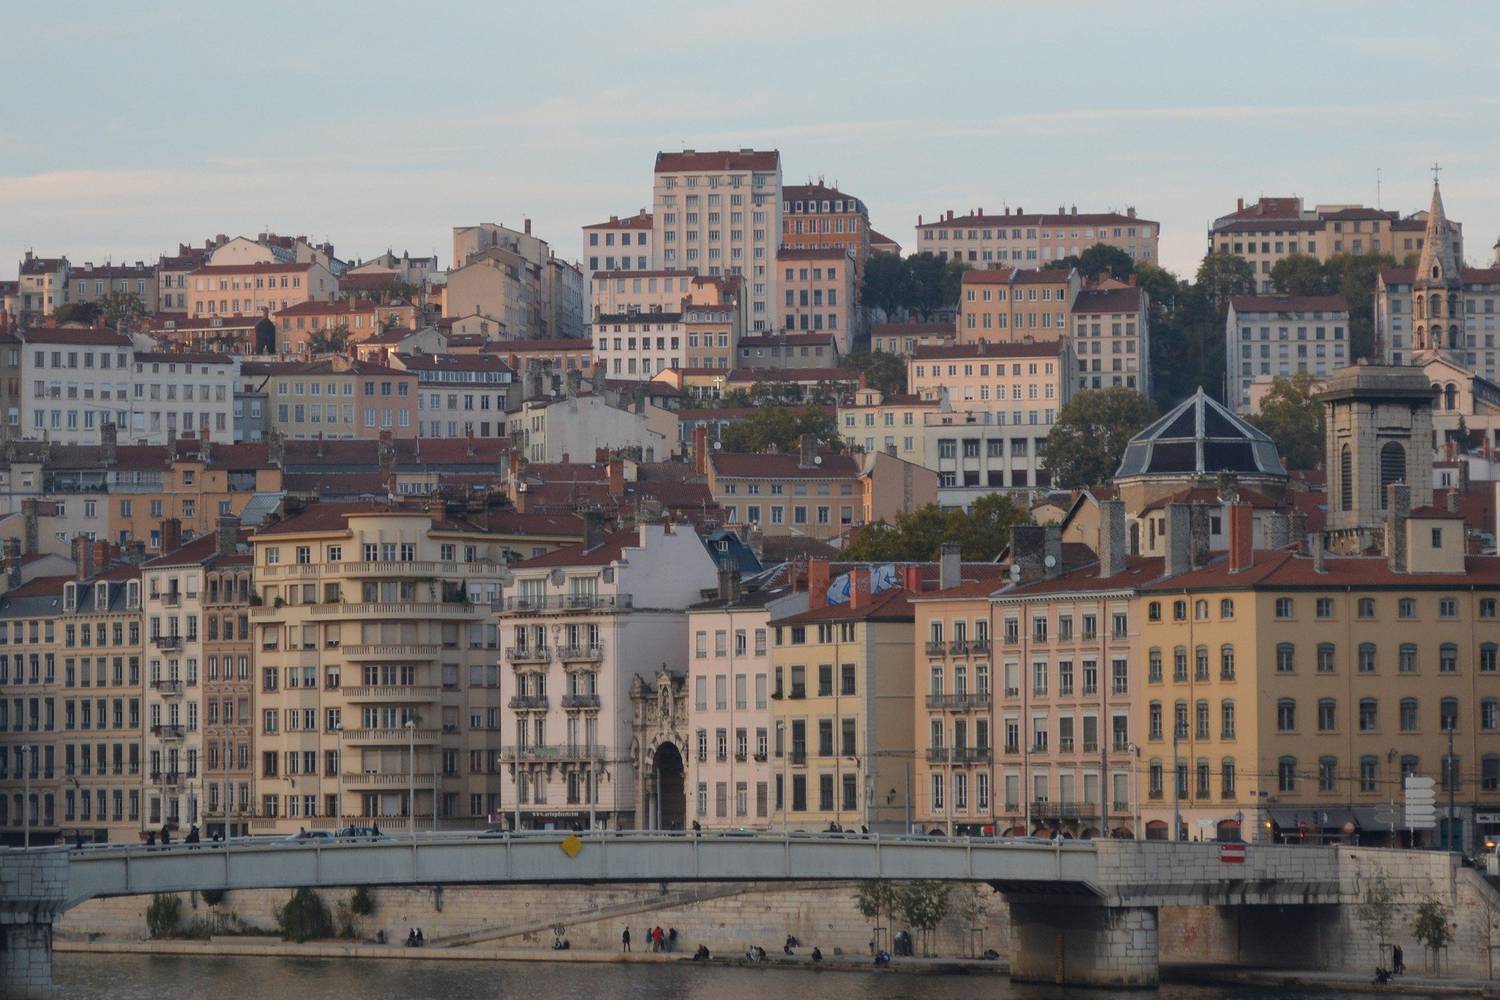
column 1312, row 817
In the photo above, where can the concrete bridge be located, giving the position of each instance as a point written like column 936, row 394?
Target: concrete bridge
column 1082, row 912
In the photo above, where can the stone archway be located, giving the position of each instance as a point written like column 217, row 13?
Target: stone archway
column 668, row 774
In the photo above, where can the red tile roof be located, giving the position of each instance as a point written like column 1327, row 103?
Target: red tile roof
column 1289, row 303
column 889, row 605
column 556, row 344
column 912, row 329
column 1469, row 275
column 1108, row 300
column 720, row 160
column 1139, row 571
column 1210, row 495
column 314, row 307
column 80, row 336
column 259, row 268
column 454, row 362
column 749, row 465
column 610, row 550
column 813, row 192
column 799, row 375
column 1039, row 219
column 1284, row 568
column 990, row 349
column 789, row 340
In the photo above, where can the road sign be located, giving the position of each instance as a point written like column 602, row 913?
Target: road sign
column 1421, row 811
column 1232, row 854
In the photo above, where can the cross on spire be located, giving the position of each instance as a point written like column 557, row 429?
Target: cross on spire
column 1435, row 170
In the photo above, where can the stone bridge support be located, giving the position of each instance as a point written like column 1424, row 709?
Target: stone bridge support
column 33, row 890
column 1076, row 942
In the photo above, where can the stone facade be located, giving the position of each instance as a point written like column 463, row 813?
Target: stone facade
column 32, row 889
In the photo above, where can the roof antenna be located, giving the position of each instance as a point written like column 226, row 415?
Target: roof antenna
column 1377, row 188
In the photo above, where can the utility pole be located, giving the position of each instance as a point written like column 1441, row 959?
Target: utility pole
column 1176, row 783
column 338, row 772
column 411, row 778
column 26, row 793
column 1448, row 767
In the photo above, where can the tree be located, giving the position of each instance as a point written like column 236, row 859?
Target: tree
column 951, row 285
column 780, row 429
column 163, row 914
column 1223, row 275
column 1089, row 438
column 882, row 371
column 1353, row 276
column 874, row 897
column 1377, row 910
column 122, row 309
column 972, row 906
column 1161, row 287
column 304, row 917
column 213, row 897
column 1463, row 438
column 887, row 283
column 1101, row 258
column 362, row 904
column 924, row 904
column 1432, row 929
column 329, row 340
column 926, row 283
column 76, row 312
column 1294, row 420
column 919, row 535
column 1299, row 274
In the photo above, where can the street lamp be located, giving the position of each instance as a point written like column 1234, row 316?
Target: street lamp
column 338, row 772
column 26, row 792
column 411, row 777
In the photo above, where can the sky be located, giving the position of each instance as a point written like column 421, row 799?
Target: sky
column 383, row 125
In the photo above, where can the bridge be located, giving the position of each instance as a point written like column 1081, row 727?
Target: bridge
column 1082, row 912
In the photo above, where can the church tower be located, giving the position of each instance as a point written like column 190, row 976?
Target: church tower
column 1437, row 286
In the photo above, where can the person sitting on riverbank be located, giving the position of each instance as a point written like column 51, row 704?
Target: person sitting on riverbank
column 701, row 955
column 561, row 944
column 420, row 939
column 817, row 954
column 791, row 943
column 411, row 937
column 1382, row 976
column 882, row 957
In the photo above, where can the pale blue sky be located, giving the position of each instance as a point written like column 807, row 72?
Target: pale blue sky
column 378, row 125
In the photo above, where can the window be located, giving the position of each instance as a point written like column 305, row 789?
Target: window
column 1367, row 657
column 1325, row 658
column 1324, row 607
column 1226, row 663
column 1286, row 658
column 1283, row 607
column 1286, row 774
column 1327, row 773
column 1407, row 661
column 1487, row 658
column 1286, row 715
column 1366, row 607
column 1226, row 720
column 1392, row 467
column 1367, row 715
column 1408, row 715
column 1448, row 714
column 1406, row 608
column 1448, row 658
column 1327, row 715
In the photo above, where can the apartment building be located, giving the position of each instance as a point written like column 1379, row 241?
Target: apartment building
column 1010, row 303
column 10, row 386
column 1272, row 228
column 789, row 350
column 720, row 213
column 378, row 689
column 42, row 286
column 1024, row 383
column 843, row 704
column 460, row 395
column 615, row 292
column 902, row 339
column 172, row 274
column 873, row 421
column 513, row 277
column 548, row 359
column 361, row 318
column 585, row 626
column 405, row 269
column 635, row 346
column 248, row 289
column 1111, row 338
column 90, row 283
column 73, row 381
column 619, row 244
column 818, row 291
column 182, row 393
column 337, row 397
column 821, row 217
column 193, row 481
column 1306, row 333
column 712, row 333
column 1021, row 240
column 229, row 714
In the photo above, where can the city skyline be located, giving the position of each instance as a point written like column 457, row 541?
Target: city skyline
column 424, row 139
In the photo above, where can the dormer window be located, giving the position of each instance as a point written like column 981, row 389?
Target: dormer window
column 101, row 596
column 70, row 597
column 133, row 594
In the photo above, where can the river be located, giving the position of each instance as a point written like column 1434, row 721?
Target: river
column 142, row 977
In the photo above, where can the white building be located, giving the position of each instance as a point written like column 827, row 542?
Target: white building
column 459, row 394
column 1278, row 336
column 177, row 393
column 73, row 381
column 721, row 213
column 619, row 244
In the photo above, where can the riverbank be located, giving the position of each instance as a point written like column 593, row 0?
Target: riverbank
column 270, row 948
column 1306, row 980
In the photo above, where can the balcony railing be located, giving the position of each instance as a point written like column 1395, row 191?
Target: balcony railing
column 167, row 641
column 959, row 647
column 171, row 599
column 979, row 646
column 529, row 702
column 397, row 609
column 937, row 755
column 581, row 653
column 379, row 779
column 166, row 777
column 372, row 651
column 1044, row 809
column 1012, row 748
column 167, row 688
column 569, row 602
column 398, row 734
column 799, row 757
column 580, row 701
column 528, row 654
column 971, row 755
column 169, row 732
column 392, row 692
column 575, row 751
column 952, row 702
column 936, row 648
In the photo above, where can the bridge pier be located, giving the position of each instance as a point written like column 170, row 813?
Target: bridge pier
column 1077, row 943
column 33, row 891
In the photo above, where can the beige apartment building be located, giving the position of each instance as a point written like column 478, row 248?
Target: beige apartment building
column 377, row 669
column 615, row 291
column 336, row 397
column 1272, row 228
column 91, row 283
column 1111, row 338
column 818, row 291
column 42, row 286
column 902, row 339
column 789, row 350
column 248, row 289
column 1024, row 381
column 1010, row 303
column 718, row 213
column 1022, row 240
column 619, row 244
column 872, row 421
column 362, row 318
column 1279, row 336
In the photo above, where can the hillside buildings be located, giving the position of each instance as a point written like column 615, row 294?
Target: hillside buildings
column 1279, row 336
column 1020, row 240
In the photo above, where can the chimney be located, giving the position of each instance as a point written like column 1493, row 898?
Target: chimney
column 1178, row 545
column 469, row 448
column 859, row 587
column 1052, row 551
column 12, row 563
column 729, row 582
column 83, row 556
column 171, row 535
column 102, row 553
column 1315, row 548
column 385, row 452
column 808, row 452
column 527, row 225
column 1241, row 537
column 1027, row 549
column 817, row 584
column 228, row 531
column 1239, row 204
column 513, row 466
column 911, row 578
column 1111, row 538
column 519, row 497
column 950, row 566
column 171, row 446
column 108, row 438
column 1397, row 510
column 31, row 530
column 1452, row 499
column 616, row 468
column 593, row 529
column 1278, row 531
column 318, row 446
column 276, row 449
column 1299, row 524
column 1198, row 535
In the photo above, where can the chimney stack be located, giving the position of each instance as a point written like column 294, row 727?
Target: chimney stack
column 700, row 449
column 808, row 456
column 1397, row 510
column 859, row 587
column 228, row 531
column 1241, row 537
column 1453, row 499
column 729, row 582
column 108, row 440
column 31, row 530
column 1315, row 548
column 593, row 529
column 950, row 568
column 83, row 556
column 1178, row 544
column 1198, row 535
column 171, row 535
column 1111, row 538
column 616, row 467
column 1027, row 547
column 817, row 584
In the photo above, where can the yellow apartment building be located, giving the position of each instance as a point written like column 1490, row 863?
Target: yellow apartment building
column 873, row 421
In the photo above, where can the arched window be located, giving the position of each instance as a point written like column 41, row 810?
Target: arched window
column 1368, row 719
column 1392, row 467
column 1450, row 397
column 1286, row 774
column 1421, row 304
column 1346, row 479
column 1286, row 715
column 1448, row 714
column 1325, row 658
column 1226, row 719
column 1327, row 715
column 1200, row 663
column 1448, row 658
column 1153, row 666
column 1408, row 715
column 1369, row 774
column 1226, row 663
column 1411, row 765
column 1367, row 657
column 1286, row 658
column 1407, row 664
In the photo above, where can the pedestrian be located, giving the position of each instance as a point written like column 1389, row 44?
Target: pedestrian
column 150, row 838
column 375, row 829
column 79, row 842
column 1398, row 961
column 625, row 939
column 420, row 939
column 671, row 939
column 166, row 835
column 660, row 938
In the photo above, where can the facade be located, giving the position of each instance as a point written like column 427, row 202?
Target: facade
column 817, row 216
column 720, row 213
column 42, row 286
column 1021, row 240
column 818, row 292
column 182, row 393
column 1011, row 303
column 617, row 292
column 192, row 482
column 362, row 318
column 248, row 289
column 880, row 243
column 902, row 339
column 789, row 350
column 460, row 395
column 1024, row 383
column 228, row 680
column 584, row 627
column 514, row 278
column 636, row 346
column 376, row 655
column 335, row 397
column 1308, row 334
column 872, row 421
column 73, row 381
column 1272, row 228
column 619, row 244
column 574, row 426
column 10, row 386
column 1112, row 338
column 90, row 283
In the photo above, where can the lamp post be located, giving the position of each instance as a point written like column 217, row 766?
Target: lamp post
column 411, row 777
column 26, row 793
column 338, row 772
column 1176, row 783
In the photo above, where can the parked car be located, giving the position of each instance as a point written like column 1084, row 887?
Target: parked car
column 356, row 833
column 309, row 837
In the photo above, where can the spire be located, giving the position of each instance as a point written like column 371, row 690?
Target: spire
column 1438, row 265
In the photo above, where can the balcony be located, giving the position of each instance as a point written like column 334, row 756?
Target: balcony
column 936, row 648
column 414, row 568
column 166, row 642
column 168, row 732
column 1012, row 748
column 958, row 702
column 971, row 755
column 380, row 651
column 937, row 755
column 285, row 571
column 529, row 703
column 528, row 654
column 392, row 692
column 760, row 758
column 1065, row 744
column 979, row 646
column 580, row 701
column 1043, row 809
column 569, row 602
column 167, row 778
column 171, row 599
column 959, row 647
column 395, row 609
column 798, row 757
column 581, row 653
column 372, row 779
column 578, row 751
column 397, row 735
column 167, row 689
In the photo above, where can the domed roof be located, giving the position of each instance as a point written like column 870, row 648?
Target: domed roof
column 1200, row 437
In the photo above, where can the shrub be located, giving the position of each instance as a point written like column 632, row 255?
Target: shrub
column 304, row 917
column 163, row 914
column 213, row 897
column 362, row 904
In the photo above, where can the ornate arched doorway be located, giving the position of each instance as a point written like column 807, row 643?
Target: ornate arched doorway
column 670, row 800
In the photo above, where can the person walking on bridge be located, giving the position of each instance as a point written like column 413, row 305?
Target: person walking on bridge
column 625, row 939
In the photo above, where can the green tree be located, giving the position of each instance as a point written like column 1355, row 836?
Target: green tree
column 971, row 904
column 919, row 535
column 924, row 904
column 1161, row 287
column 881, row 370
column 1089, row 438
column 76, row 312
column 1101, row 258
column 304, row 917
column 780, row 429
column 1463, row 438
column 163, row 914
column 887, row 284
column 1353, row 276
column 1299, row 274
column 1377, row 910
column 1294, row 419
column 213, row 897
column 1222, row 276
column 122, row 309
column 329, row 340
column 1433, row 929
column 952, row 284
column 926, row 283
column 362, row 904
column 873, row 898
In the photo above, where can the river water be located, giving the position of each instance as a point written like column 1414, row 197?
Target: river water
column 142, row 977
